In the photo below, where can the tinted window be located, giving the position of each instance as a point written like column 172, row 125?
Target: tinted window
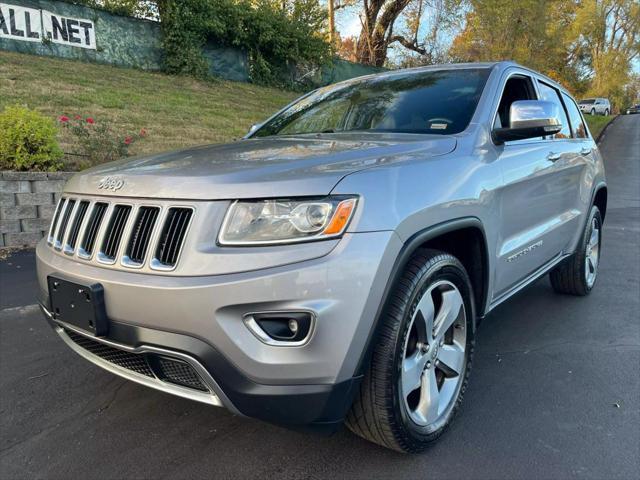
column 587, row 101
column 577, row 125
column 437, row 102
column 550, row 94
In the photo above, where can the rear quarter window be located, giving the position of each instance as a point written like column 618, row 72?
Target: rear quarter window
column 550, row 94
column 577, row 123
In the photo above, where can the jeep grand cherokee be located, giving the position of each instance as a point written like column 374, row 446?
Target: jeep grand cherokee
column 332, row 266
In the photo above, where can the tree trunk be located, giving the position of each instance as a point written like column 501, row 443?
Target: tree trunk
column 377, row 29
column 332, row 23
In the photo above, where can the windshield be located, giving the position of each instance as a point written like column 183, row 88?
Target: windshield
column 436, row 102
column 587, row 101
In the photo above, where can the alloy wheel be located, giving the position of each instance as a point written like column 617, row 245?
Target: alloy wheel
column 592, row 255
column 434, row 360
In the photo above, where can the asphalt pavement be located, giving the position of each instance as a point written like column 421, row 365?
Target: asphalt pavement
column 555, row 391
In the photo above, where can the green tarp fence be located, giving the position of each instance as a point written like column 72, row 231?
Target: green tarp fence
column 60, row 29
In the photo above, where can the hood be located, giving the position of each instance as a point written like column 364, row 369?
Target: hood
column 255, row 168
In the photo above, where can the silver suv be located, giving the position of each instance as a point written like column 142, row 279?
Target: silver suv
column 595, row 106
column 334, row 264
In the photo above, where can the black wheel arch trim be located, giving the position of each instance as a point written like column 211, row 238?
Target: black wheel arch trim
column 599, row 187
column 408, row 248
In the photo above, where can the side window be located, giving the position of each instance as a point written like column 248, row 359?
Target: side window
column 550, row 94
column 518, row 87
column 577, row 124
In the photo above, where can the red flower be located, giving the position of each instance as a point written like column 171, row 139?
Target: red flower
column 91, row 120
column 77, row 117
column 63, row 118
column 127, row 140
column 143, row 132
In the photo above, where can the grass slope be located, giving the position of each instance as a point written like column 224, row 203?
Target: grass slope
column 177, row 111
column 597, row 123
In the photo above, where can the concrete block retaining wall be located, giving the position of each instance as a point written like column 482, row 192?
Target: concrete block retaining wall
column 27, row 203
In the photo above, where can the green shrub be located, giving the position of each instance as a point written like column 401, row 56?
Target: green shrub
column 276, row 37
column 28, row 141
column 98, row 141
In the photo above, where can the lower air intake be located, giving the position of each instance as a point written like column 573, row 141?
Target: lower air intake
column 131, row 361
column 151, row 365
column 179, row 373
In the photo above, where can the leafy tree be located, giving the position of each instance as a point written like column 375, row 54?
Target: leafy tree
column 428, row 28
column 587, row 45
column 530, row 32
column 607, row 40
column 378, row 18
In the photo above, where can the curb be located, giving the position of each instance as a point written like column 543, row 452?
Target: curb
column 603, row 131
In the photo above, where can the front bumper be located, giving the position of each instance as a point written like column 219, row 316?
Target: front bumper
column 199, row 319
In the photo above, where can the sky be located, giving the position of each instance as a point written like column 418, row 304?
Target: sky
column 348, row 22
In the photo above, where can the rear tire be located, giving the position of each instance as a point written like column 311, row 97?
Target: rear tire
column 421, row 361
column 578, row 274
column 593, row 111
column 606, row 113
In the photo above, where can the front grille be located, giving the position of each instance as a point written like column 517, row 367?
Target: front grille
column 75, row 227
column 131, row 361
column 87, row 226
column 180, row 373
column 173, row 233
column 114, row 232
column 141, row 234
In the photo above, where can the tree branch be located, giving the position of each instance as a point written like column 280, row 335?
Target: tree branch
column 407, row 44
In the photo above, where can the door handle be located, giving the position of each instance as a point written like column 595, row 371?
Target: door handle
column 553, row 157
column 585, row 151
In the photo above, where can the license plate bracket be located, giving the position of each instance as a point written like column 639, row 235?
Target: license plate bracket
column 78, row 305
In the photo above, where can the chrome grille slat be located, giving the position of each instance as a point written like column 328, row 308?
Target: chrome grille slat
column 54, row 222
column 113, row 235
column 177, row 241
column 141, row 235
column 64, row 222
column 91, row 231
column 172, row 238
column 72, row 239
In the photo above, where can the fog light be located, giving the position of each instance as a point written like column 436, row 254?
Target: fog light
column 293, row 326
column 281, row 328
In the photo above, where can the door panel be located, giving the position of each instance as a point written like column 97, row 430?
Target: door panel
column 540, row 199
column 535, row 212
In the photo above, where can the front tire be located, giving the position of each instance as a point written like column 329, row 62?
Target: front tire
column 578, row 274
column 422, row 358
column 606, row 113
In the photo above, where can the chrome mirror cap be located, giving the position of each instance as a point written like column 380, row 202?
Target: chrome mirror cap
column 535, row 114
column 529, row 119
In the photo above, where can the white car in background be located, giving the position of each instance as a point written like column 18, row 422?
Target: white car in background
column 593, row 106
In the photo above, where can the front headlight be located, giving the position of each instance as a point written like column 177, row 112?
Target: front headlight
column 261, row 222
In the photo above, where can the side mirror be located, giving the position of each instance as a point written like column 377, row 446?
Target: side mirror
column 529, row 119
column 253, row 128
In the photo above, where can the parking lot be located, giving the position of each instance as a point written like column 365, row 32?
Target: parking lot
column 555, row 391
